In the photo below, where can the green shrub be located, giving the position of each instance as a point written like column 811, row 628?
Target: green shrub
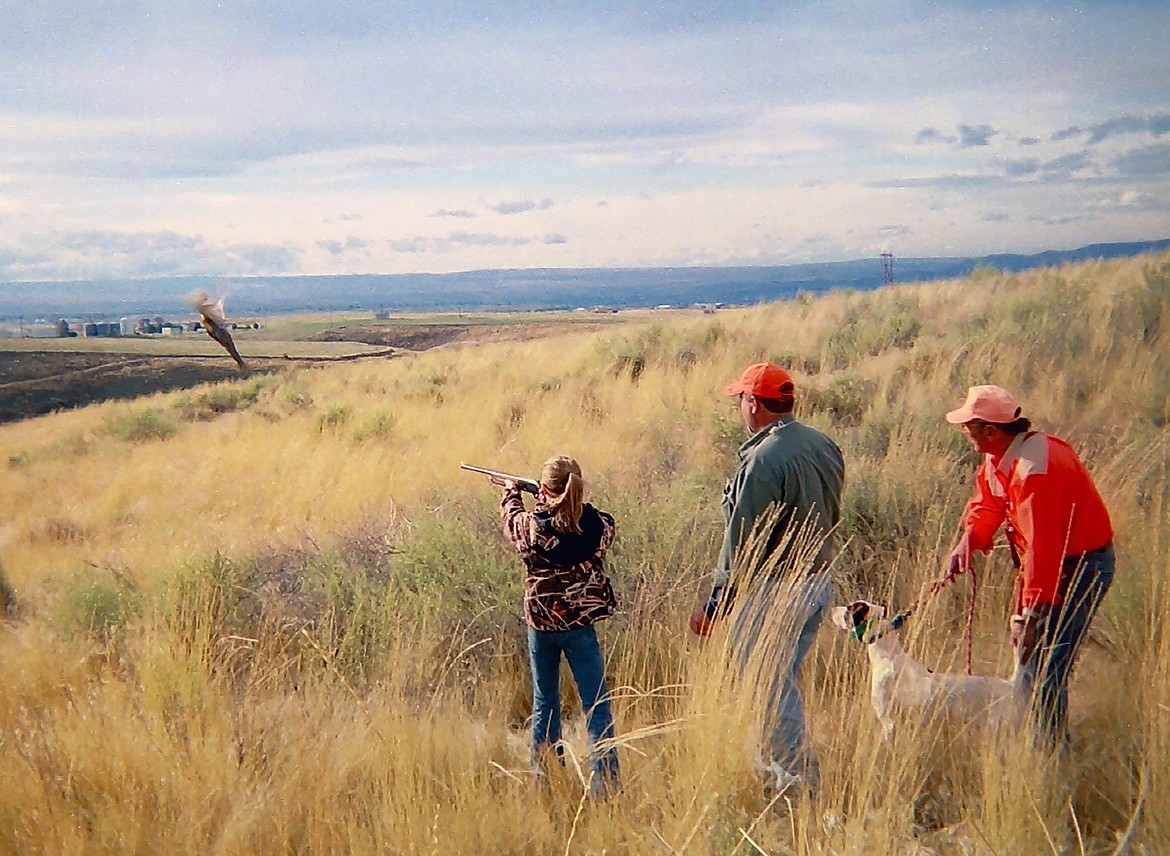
column 99, row 607
column 358, row 626
column 897, row 330
column 282, row 395
column 864, row 333
column 378, row 427
column 846, row 399
column 339, row 613
column 630, row 353
column 218, row 399
column 434, row 384
column 874, row 435
column 204, row 599
column 333, row 417
column 809, row 364
column 293, row 398
column 139, row 426
column 1052, row 321
column 439, row 578
column 464, row 556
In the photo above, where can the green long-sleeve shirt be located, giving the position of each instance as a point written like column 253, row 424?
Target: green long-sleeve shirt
column 789, row 478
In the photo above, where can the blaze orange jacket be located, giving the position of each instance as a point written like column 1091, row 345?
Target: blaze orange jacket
column 1051, row 505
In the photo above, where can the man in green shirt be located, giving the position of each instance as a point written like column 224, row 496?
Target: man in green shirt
column 780, row 509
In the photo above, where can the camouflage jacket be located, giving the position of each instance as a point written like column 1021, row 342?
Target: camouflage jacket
column 565, row 585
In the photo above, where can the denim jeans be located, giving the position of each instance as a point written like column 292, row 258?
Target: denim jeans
column 583, row 653
column 771, row 634
column 1047, row 671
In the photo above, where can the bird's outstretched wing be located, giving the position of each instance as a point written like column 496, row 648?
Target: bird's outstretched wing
column 209, row 308
column 215, row 323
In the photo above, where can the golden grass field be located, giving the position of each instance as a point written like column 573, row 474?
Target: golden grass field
column 272, row 615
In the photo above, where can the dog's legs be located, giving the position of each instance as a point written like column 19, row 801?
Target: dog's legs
column 881, row 708
column 880, row 700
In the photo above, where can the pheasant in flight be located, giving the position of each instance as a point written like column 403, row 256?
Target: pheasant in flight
column 215, row 323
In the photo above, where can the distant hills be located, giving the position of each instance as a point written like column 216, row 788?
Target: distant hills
column 548, row 288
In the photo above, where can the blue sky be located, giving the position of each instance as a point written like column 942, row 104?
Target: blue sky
column 264, row 137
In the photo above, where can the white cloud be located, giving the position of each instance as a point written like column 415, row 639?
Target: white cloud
column 327, row 138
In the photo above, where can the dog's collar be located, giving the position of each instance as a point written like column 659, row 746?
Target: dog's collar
column 893, row 624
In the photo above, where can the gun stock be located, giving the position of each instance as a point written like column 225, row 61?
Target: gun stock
column 532, row 486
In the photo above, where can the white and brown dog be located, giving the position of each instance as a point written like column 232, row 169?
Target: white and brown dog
column 899, row 681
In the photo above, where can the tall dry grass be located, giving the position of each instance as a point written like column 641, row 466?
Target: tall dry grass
column 273, row 616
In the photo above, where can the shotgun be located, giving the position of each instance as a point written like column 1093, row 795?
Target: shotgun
column 497, row 477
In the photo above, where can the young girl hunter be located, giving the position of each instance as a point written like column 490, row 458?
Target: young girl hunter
column 563, row 542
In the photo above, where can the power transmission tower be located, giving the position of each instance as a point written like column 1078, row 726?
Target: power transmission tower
column 887, row 268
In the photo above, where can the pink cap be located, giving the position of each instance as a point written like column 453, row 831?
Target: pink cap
column 987, row 404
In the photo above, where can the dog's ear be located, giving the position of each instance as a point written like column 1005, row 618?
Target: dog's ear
column 840, row 617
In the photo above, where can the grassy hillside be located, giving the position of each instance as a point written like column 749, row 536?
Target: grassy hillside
column 273, row 615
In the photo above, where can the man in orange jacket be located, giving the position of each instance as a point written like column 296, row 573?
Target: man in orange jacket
column 1061, row 541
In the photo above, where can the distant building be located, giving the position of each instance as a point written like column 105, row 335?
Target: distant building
column 101, row 329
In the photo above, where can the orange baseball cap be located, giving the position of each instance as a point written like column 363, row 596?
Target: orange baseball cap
column 763, row 380
column 986, row 403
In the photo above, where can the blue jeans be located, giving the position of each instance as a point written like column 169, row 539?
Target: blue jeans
column 1085, row 579
column 583, row 653
column 776, row 627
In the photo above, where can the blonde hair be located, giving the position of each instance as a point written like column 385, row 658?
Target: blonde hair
column 562, row 477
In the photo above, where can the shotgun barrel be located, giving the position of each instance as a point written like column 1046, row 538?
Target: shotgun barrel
column 530, row 485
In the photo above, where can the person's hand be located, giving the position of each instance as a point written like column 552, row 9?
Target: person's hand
column 1026, row 630
column 700, row 624
column 1017, row 631
column 703, row 618
column 958, row 563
